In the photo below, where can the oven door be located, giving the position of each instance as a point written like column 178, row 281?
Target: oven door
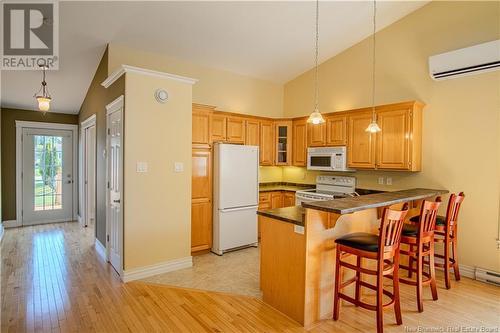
column 320, row 161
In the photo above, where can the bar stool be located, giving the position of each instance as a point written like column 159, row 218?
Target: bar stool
column 420, row 239
column 384, row 248
column 446, row 232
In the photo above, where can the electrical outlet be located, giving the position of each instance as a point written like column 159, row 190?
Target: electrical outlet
column 381, row 180
column 141, row 167
column 388, row 181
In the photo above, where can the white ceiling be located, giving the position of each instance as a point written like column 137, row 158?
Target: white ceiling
column 268, row 40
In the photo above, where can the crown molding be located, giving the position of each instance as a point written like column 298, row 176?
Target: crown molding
column 144, row 71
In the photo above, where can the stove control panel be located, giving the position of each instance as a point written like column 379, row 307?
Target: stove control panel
column 336, row 180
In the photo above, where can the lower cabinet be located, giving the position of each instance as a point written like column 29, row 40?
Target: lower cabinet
column 201, row 200
column 277, row 199
column 288, row 199
column 201, row 226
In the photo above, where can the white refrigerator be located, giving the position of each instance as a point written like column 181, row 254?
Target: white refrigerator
column 236, row 196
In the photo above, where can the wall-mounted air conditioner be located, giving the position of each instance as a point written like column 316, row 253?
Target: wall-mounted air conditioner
column 467, row 61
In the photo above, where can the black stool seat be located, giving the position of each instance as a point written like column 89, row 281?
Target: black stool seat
column 440, row 220
column 410, row 230
column 360, row 240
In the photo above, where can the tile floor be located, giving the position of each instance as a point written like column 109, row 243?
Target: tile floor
column 235, row 272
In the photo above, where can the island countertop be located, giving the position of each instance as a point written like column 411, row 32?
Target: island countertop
column 293, row 214
column 355, row 204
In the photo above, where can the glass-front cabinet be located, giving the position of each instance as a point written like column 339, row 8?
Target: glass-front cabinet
column 283, row 131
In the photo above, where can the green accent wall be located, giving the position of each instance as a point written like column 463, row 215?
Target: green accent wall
column 8, row 150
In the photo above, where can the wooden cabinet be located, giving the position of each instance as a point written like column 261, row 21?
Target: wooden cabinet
column 217, row 127
column 266, row 143
column 399, row 142
column 201, row 200
column 201, row 127
column 235, row 130
column 299, row 142
column 361, row 144
column 336, row 130
column 283, row 142
column 288, row 199
column 316, row 135
column 252, row 132
column 277, row 199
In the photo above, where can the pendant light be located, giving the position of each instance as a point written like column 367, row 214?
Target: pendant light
column 315, row 117
column 373, row 127
column 43, row 98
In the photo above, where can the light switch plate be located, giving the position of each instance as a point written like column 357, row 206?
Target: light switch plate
column 389, row 181
column 178, row 167
column 381, row 180
column 141, row 167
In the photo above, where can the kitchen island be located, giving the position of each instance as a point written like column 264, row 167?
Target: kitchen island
column 298, row 248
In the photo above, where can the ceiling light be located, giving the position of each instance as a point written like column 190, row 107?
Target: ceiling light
column 373, row 127
column 43, row 96
column 316, row 118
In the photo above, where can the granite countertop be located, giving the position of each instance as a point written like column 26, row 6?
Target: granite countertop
column 293, row 214
column 354, row 204
column 292, row 187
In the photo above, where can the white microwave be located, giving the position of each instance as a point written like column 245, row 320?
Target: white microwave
column 327, row 159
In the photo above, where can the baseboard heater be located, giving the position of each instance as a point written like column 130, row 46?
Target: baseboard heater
column 487, row 276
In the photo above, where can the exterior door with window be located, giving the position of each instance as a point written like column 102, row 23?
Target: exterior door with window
column 47, row 175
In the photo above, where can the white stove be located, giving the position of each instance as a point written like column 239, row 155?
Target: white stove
column 328, row 188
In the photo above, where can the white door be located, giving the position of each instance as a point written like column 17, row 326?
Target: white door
column 114, row 211
column 89, row 174
column 47, row 176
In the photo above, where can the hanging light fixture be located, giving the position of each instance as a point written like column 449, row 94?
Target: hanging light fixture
column 43, row 96
column 373, row 127
column 315, row 117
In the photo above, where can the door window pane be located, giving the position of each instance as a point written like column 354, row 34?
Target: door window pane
column 48, row 172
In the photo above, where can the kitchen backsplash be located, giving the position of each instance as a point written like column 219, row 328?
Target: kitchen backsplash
column 364, row 179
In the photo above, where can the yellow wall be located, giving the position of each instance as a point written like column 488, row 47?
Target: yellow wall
column 228, row 91
column 270, row 174
column 461, row 120
column 157, row 215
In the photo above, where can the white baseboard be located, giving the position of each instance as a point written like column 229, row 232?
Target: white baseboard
column 467, row 271
column 12, row 224
column 101, row 250
column 164, row 267
column 2, row 232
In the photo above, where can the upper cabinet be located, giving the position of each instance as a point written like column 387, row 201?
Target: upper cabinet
column 266, row 142
column 235, row 130
column 283, row 142
column 299, row 145
column 316, row 135
column 201, row 124
column 361, row 144
column 252, row 132
column 336, row 130
column 217, row 127
column 400, row 140
column 396, row 147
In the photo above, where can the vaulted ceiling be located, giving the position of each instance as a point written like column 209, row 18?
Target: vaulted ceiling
column 267, row 40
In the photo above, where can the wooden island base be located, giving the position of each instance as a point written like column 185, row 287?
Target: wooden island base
column 298, row 251
column 297, row 269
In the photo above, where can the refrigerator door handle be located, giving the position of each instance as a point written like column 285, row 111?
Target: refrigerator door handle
column 226, row 210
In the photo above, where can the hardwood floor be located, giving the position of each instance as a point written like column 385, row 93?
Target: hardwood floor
column 54, row 281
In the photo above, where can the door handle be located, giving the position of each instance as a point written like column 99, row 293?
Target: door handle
column 116, row 201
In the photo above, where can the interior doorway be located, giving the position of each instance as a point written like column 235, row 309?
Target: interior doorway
column 46, row 165
column 114, row 179
column 88, row 172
